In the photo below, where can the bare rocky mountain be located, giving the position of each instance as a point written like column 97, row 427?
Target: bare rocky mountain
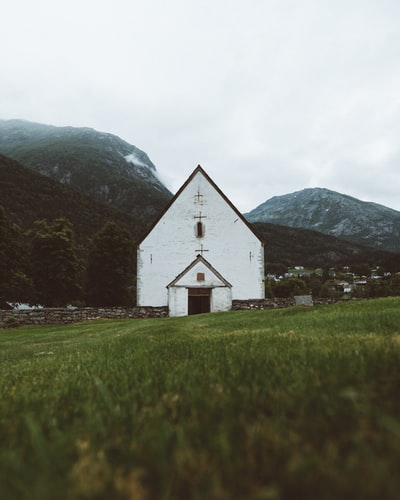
column 97, row 164
column 335, row 214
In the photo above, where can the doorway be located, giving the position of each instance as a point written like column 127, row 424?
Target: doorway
column 199, row 300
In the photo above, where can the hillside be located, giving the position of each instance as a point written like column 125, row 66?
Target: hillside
column 334, row 214
column 297, row 246
column 99, row 165
column 28, row 196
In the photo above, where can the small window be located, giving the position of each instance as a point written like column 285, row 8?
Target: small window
column 199, row 230
column 200, row 276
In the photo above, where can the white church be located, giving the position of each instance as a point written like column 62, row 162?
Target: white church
column 200, row 254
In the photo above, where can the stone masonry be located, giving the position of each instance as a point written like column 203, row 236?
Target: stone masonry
column 63, row 315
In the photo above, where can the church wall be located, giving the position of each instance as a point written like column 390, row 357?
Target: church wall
column 178, row 301
column 227, row 243
column 221, row 299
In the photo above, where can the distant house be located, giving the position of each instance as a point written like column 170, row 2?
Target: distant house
column 343, row 286
column 200, row 254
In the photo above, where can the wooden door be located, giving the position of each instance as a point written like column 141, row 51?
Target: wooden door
column 199, row 300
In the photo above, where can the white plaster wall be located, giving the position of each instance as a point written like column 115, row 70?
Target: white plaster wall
column 221, row 299
column 233, row 249
column 178, row 301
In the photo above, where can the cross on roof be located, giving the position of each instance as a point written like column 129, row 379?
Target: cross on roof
column 201, row 250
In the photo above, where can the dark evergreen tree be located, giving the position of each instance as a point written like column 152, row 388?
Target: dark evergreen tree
column 111, row 268
column 54, row 261
column 7, row 262
column 395, row 285
column 14, row 284
column 314, row 284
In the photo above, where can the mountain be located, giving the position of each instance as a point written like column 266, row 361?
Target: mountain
column 296, row 246
column 99, row 165
column 28, row 196
column 334, row 214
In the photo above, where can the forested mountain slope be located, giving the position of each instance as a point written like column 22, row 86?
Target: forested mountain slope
column 99, row 165
column 28, row 196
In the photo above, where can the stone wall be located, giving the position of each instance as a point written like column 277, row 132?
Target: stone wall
column 54, row 316
column 277, row 302
column 63, row 315
column 239, row 305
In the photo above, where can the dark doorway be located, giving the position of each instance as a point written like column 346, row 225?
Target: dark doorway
column 199, row 300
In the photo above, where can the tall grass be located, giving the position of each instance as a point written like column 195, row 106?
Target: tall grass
column 295, row 403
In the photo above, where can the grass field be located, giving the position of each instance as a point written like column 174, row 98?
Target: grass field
column 284, row 404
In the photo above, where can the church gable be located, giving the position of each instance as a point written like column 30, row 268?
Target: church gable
column 200, row 273
column 200, row 241
column 193, row 190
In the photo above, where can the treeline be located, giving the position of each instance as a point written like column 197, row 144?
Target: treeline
column 332, row 284
column 46, row 266
column 289, row 247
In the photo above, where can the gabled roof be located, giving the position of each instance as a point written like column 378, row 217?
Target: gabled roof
column 185, row 184
column 198, row 259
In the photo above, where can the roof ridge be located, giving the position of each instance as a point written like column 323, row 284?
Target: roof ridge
column 200, row 169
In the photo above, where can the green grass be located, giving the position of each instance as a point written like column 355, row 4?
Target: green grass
column 293, row 403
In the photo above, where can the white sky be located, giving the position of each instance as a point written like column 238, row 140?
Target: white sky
column 269, row 96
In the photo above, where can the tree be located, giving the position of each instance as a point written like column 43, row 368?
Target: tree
column 361, row 269
column 111, row 268
column 6, row 250
column 269, row 294
column 289, row 287
column 378, row 288
column 278, row 269
column 314, row 283
column 55, row 267
column 395, row 285
column 329, row 291
column 14, row 284
column 325, row 275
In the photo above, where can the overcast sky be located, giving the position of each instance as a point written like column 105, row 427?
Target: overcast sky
column 269, row 96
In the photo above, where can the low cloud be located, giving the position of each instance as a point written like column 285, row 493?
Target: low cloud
column 269, row 97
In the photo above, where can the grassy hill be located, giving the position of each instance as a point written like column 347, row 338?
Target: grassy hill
column 282, row 404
